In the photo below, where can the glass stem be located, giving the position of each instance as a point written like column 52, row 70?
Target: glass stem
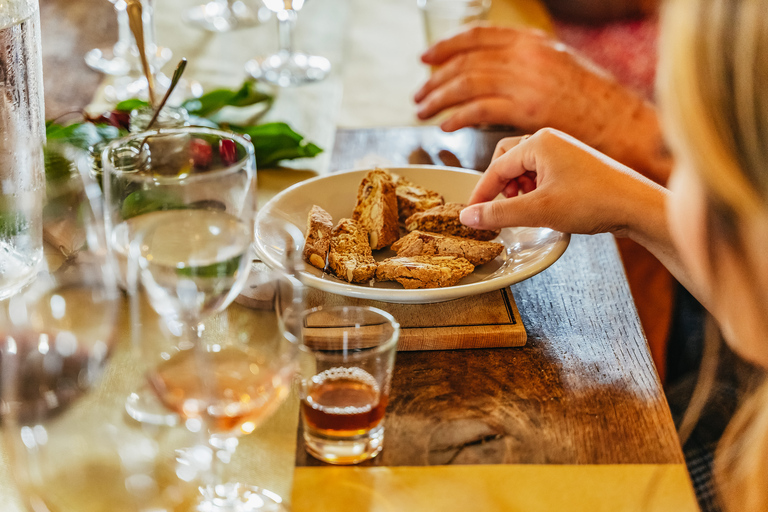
column 124, row 37
column 286, row 22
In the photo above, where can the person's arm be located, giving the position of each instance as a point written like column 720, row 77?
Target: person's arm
column 524, row 78
column 600, row 11
column 568, row 186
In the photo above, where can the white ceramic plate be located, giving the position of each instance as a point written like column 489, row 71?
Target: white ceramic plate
column 528, row 250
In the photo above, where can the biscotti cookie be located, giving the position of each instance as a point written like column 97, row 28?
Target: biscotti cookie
column 318, row 240
column 419, row 243
column 412, row 198
column 444, row 219
column 424, row 271
column 350, row 256
column 376, row 208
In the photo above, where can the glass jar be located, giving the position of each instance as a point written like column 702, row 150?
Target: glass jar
column 169, row 117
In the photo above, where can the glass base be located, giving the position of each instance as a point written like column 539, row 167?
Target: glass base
column 105, row 60
column 234, row 497
column 221, row 17
column 127, row 87
column 144, row 407
column 351, row 450
column 289, row 69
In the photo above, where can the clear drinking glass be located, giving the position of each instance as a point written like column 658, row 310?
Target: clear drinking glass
column 51, row 353
column 347, row 358
column 198, row 183
column 215, row 380
column 288, row 67
column 224, row 15
column 444, row 18
column 22, row 132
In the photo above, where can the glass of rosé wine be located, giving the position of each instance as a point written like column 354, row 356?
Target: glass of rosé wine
column 191, row 248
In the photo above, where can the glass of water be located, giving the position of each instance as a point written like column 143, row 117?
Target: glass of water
column 22, row 194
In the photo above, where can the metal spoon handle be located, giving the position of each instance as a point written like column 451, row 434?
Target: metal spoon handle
column 180, row 67
column 135, row 13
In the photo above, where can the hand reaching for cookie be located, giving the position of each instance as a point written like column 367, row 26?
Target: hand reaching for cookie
column 566, row 186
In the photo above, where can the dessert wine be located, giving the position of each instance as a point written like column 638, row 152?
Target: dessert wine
column 343, row 402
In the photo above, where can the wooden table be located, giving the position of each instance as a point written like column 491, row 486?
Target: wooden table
column 583, row 391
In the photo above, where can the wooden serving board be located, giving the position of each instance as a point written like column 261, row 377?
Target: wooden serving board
column 489, row 320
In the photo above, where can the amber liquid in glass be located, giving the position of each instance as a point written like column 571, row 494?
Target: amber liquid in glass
column 343, row 402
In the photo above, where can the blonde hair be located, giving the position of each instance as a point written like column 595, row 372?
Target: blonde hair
column 713, row 87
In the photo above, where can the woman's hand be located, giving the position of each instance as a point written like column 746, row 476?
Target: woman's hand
column 564, row 185
column 498, row 75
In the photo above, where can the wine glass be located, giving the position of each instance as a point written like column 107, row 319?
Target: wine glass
column 123, row 62
column 226, row 384
column 51, row 354
column 224, row 15
column 123, row 57
column 199, row 180
column 287, row 67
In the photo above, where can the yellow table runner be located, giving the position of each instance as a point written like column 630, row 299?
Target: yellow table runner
column 508, row 488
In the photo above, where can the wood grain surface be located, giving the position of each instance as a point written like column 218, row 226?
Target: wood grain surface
column 582, row 391
column 69, row 84
column 482, row 321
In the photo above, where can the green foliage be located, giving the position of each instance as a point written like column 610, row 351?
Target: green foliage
column 146, row 201
column 132, row 104
column 213, row 101
column 273, row 142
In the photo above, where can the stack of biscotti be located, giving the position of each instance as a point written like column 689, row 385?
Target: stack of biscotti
column 376, row 208
column 438, row 252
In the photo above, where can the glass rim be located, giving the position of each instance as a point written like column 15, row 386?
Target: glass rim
column 250, row 154
column 382, row 347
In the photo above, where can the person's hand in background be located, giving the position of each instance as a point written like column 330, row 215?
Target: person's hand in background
column 490, row 75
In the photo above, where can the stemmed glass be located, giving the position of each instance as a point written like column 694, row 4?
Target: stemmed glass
column 193, row 261
column 225, row 384
column 51, row 353
column 287, row 67
column 199, row 180
column 122, row 60
column 224, row 15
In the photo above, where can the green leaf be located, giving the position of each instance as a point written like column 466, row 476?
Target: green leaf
column 273, row 142
column 215, row 100
column 81, row 135
column 146, row 201
column 57, row 167
column 222, row 269
column 132, row 104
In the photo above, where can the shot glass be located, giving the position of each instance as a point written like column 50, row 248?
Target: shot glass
column 347, row 357
column 444, row 18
